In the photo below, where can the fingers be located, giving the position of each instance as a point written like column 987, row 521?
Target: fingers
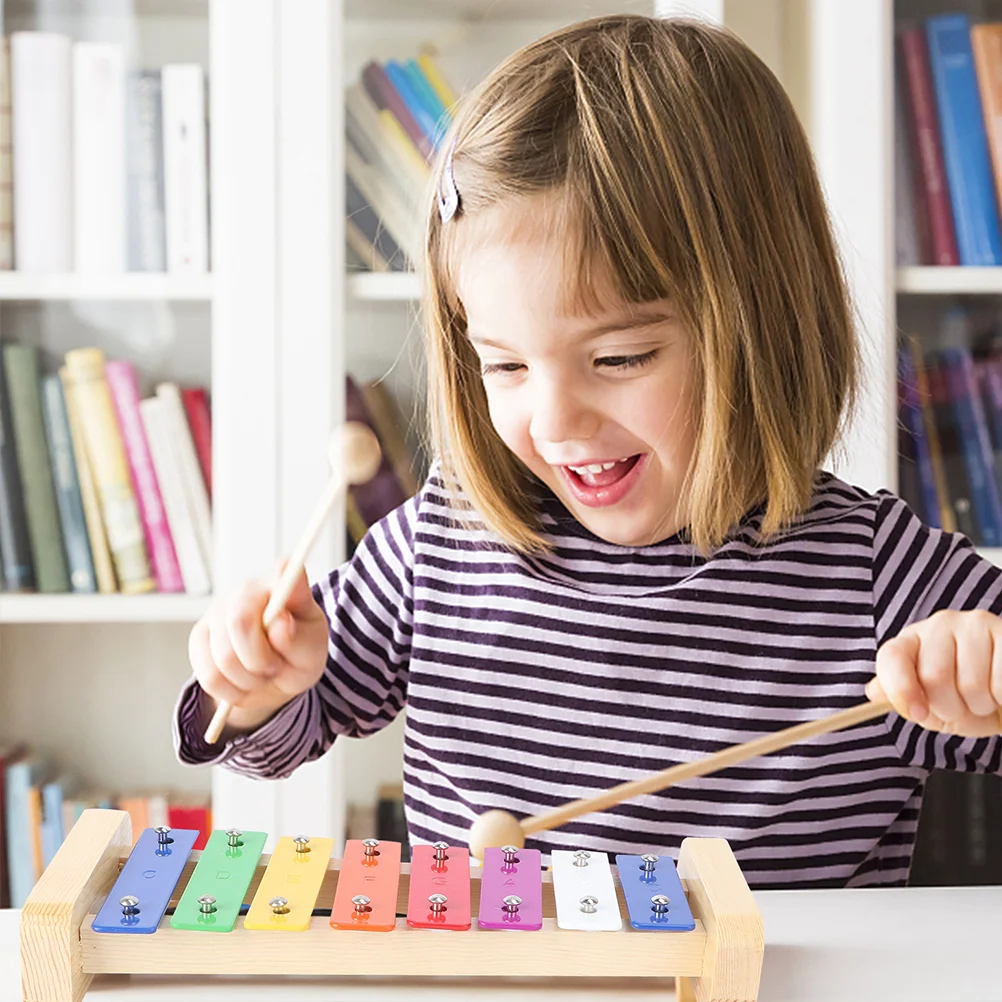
column 209, row 677
column 975, row 654
column 898, row 678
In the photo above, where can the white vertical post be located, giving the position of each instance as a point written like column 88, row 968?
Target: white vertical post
column 852, row 130
column 310, row 372
column 244, row 334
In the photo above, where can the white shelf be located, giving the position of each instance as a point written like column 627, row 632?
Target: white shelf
column 132, row 286
column 994, row 554
column 18, row 608
column 387, row 285
column 487, row 10
column 947, row 281
column 105, row 8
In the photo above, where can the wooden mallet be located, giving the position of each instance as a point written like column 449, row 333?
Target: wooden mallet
column 499, row 828
column 354, row 456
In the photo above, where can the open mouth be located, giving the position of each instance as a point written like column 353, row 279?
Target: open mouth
column 598, row 485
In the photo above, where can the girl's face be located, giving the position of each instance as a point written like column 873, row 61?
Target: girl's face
column 599, row 407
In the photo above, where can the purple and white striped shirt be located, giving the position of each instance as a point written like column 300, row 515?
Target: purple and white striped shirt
column 532, row 681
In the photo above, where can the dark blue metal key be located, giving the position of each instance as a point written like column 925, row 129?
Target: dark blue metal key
column 654, row 895
column 143, row 890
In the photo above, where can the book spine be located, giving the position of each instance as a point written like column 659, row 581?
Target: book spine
column 974, row 441
column 41, row 131
column 111, row 472
column 404, row 86
column 124, row 388
column 21, row 367
column 965, row 147
column 67, row 485
column 915, row 425
column 15, row 541
column 986, row 43
column 158, row 436
column 953, row 460
column 927, row 151
column 196, row 407
column 6, row 163
column 185, row 168
column 147, row 249
column 382, row 91
column 946, row 516
column 104, row 568
column 98, row 157
column 196, row 496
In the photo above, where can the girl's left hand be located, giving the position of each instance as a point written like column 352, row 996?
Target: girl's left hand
column 945, row 673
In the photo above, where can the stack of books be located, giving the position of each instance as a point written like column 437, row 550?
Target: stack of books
column 102, row 169
column 396, row 117
column 101, row 491
column 948, row 142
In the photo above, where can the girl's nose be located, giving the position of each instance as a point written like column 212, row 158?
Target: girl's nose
column 559, row 414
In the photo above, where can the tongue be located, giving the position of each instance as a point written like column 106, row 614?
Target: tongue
column 607, row 477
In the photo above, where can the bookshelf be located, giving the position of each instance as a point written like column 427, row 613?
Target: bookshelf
column 136, row 286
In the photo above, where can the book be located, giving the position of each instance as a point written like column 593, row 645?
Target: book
column 194, row 570
column 98, row 157
column 41, row 132
column 106, row 451
column 123, row 385
column 926, row 147
column 21, row 369
column 144, row 161
column 386, row 97
column 185, row 168
column 389, row 424
column 192, row 812
column 192, row 483
column 9, row 751
column 986, row 44
column 69, row 502
column 15, row 542
column 913, row 424
column 199, row 414
column 965, row 145
column 104, row 568
column 6, row 164
column 22, row 775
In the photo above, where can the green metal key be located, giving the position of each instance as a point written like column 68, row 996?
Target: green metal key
column 217, row 888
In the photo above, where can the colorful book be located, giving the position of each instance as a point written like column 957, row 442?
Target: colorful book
column 106, row 451
column 15, row 541
column 914, row 424
column 199, row 414
column 123, row 384
column 386, row 97
column 22, row 775
column 144, row 162
column 67, row 486
column 986, row 44
column 965, row 145
column 23, row 384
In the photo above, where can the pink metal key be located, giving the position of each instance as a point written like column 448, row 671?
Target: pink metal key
column 511, row 890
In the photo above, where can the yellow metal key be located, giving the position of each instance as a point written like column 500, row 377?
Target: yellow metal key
column 290, row 884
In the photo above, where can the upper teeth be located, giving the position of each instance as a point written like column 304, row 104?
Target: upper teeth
column 595, row 467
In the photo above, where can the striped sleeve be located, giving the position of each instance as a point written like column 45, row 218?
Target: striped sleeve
column 918, row 571
column 369, row 607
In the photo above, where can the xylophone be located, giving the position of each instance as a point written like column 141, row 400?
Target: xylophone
column 98, row 902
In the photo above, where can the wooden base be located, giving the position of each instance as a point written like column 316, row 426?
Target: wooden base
column 722, row 957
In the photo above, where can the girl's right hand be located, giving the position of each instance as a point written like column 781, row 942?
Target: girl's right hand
column 234, row 659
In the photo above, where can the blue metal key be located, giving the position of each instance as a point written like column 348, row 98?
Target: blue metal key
column 143, row 890
column 654, row 895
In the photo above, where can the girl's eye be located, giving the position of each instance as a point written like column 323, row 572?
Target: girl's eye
column 492, row 368
column 627, row 361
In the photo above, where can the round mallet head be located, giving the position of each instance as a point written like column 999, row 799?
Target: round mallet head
column 493, row 830
column 356, row 452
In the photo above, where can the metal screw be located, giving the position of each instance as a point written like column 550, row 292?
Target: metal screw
column 302, row 843
column 509, row 853
column 437, row 902
column 130, row 904
column 361, row 903
column 440, row 848
column 162, row 834
column 660, row 903
column 581, row 857
column 371, row 844
column 511, row 903
column 649, row 860
column 280, row 906
column 589, row 904
column 207, row 904
column 233, row 834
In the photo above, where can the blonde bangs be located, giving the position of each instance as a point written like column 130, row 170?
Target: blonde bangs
column 613, row 135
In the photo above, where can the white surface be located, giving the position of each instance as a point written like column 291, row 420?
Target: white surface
column 915, row 945
column 941, row 281
column 572, row 882
column 101, row 608
column 137, row 285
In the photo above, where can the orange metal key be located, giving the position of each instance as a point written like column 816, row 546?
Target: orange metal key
column 366, row 895
column 439, row 896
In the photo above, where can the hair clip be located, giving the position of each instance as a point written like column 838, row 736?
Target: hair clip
column 448, row 193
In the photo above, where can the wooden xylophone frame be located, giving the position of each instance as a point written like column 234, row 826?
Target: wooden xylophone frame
column 720, row 960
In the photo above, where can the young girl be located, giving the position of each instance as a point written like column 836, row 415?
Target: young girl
column 627, row 554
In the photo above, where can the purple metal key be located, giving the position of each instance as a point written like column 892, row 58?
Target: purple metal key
column 511, row 890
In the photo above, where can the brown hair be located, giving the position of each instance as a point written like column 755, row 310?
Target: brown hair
column 683, row 174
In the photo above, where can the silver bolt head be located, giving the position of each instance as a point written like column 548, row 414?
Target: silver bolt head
column 650, row 858
column 440, row 845
column 162, row 830
column 302, row 843
column 581, row 857
column 437, row 899
column 660, row 902
column 509, row 849
column 129, row 901
column 360, row 901
column 370, row 843
column 206, row 899
column 511, row 902
column 589, row 903
column 234, row 832
column 278, row 904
